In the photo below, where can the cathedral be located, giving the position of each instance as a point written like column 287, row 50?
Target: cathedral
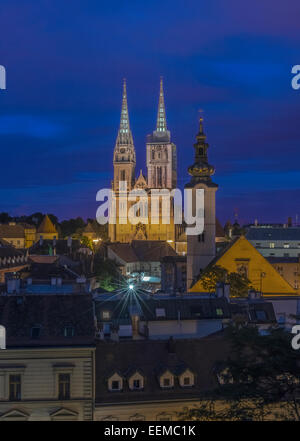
column 161, row 165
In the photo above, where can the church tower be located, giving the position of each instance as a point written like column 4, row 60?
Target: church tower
column 161, row 152
column 201, row 249
column 124, row 153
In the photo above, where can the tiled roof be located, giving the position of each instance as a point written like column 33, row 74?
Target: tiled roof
column 173, row 308
column 11, row 231
column 274, row 233
column 198, row 355
column 52, row 313
column 46, row 226
column 273, row 259
column 142, row 250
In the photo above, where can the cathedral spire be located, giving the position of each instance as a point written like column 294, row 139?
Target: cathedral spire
column 124, row 134
column 161, row 125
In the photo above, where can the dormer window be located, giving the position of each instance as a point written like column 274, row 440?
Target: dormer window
column 136, row 381
column 115, row 382
column 187, row 378
column 166, row 380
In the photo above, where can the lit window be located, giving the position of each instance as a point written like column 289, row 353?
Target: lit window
column 105, row 314
column 272, row 245
column 64, row 383
column 286, row 245
column 160, row 312
column 219, row 311
column 15, row 387
column 186, row 381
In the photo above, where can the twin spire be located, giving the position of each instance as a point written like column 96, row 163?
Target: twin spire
column 124, row 134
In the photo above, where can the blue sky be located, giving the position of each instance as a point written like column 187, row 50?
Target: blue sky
column 65, row 62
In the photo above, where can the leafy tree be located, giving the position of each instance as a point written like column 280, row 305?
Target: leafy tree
column 211, row 276
column 72, row 226
column 260, row 379
column 86, row 241
column 239, row 284
column 107, row 273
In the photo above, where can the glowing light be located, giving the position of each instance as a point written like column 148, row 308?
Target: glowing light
column 170, row 241
column 131, row 287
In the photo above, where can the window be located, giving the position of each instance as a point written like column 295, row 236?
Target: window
column 105, row 315
column 166, row 382
column 69, row 331
column 160, row 312
column 35, row 332
column 219, row 311
column 115, row 385
column 272, row 245
column 186, row 381
column 286, row 245
column 260, row 315
column 64, row 383
column 15, row 387
column 136, row 384
column 122, row 175
column 2, row 337
column 281, row 318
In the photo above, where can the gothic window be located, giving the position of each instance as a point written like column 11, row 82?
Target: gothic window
column 153, row 154
column 159, row 177
column 122, row 175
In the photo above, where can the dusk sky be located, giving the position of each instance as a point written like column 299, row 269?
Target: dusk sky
column 59, row 116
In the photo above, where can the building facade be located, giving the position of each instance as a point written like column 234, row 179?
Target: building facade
column 162, row 174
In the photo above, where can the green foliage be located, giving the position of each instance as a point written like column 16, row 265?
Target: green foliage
column 239, row 284
column 260, row 379
column 71, row 226
column 107, row 273
column 211, row 276
column 85, row 241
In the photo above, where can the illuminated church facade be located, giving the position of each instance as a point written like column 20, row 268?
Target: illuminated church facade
column 161, row 162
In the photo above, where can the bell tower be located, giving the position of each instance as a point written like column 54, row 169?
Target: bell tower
column 124, row 154
column 161, row 152
column 201, row 249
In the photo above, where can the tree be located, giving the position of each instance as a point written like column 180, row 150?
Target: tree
column 211, row 276
column 71, row 226
column 239, row 285
column 260, row 379
column 87, row 242
column 107, row 273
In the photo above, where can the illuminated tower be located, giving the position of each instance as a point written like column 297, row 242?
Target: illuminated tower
column 201, row 248
column 161, row 152
column 124, row 170
column 124, row 153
